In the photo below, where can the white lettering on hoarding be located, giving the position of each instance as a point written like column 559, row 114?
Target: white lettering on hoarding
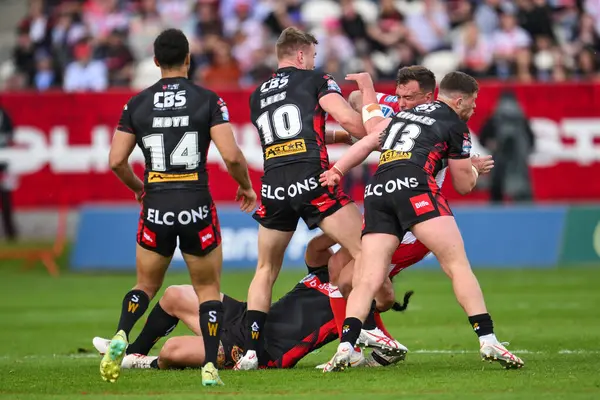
column 35, row 150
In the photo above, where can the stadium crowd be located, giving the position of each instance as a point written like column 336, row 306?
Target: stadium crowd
column 81, row 45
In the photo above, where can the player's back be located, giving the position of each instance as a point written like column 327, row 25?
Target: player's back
column 423, row 136
column 291, row 124
column 301, row 321
column 172, row 121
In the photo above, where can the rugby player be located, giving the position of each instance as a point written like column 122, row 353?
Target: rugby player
column 299, row 323
column 403, row 195
column 289, row 111
column 173, row 122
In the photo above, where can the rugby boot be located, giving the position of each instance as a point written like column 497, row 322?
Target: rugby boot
column 495, row 351
column 210, row 376
column 247, row 362
column 341, row 358
column 378, row 359
column 110, row 366
column 101, row 345
column 137, row 361
column 357, row 359
column 375, row 338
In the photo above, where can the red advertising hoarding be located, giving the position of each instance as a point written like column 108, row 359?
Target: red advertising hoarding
column 60, row 152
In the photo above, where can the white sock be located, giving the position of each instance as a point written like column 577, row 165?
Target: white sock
column 488, row 338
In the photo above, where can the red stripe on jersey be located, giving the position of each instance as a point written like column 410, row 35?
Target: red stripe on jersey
column 442, row 204
column 434, row 157
column 315, row 283
column 307, row 345
column 319, row 127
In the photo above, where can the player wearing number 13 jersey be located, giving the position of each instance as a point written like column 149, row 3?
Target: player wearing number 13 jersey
column 173, row 122
column 289, row 111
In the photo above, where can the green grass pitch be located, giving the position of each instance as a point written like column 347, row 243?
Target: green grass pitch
column 550, row 317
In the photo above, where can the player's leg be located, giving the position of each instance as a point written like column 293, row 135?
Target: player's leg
column 318, row 251
column 155, row 246
column 182, row 352
column 271, row 249
column 442, row 237
column 377, row 250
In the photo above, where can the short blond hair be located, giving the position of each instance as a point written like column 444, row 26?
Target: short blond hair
column 291, row 40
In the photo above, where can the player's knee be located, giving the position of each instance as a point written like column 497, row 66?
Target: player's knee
column 384, row 302
column 171, row 352
column 149, row 288
column 173, row 296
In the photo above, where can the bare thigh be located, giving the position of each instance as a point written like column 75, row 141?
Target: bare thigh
column 344, row 227
column 150, row 268
column 182, row 352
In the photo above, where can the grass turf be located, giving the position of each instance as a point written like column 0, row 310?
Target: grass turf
column 550, row 315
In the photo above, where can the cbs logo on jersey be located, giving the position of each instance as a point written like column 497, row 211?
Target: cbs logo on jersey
column 285, row 149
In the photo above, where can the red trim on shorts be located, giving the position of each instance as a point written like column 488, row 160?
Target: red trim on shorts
column 341, row 196
column 407, row 254
column 140, row 228
column 307, row 345
column 319, row 127
column 323, row 202
column 215, row 223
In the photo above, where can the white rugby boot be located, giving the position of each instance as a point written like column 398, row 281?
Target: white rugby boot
column 137, row 361
column 379, row 359
column 247, row 362
column 341, row 358
column 101, row 345
column 492, row 350
column 377, row 339
column 357, row 359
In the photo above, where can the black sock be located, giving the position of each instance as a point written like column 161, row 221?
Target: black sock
column 482, row 324
column 256, row 322
column 159, row 324
column 211, row 321
column 351, row 330
column 135, row 304
column 370, row 321
column 154, row 364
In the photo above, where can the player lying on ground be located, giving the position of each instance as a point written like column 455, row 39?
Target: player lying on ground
column 299, row 323
column 404, row 196
column 173, row 122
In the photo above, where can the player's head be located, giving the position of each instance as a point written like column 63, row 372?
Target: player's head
column 414, row 85
column 296, row 48
column 172, row 50
column 459, row 91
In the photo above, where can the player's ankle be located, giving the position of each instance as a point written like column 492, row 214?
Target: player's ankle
column 489, row 338
column 482, row 324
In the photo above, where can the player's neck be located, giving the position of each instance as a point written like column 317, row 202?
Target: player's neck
column 287, row 64
column 447, row 102
column 174, row 73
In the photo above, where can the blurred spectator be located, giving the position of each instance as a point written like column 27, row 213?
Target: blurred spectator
column 117, row 58
column 474, row 51
column 285, row 13
column 548, row 60
column 335, row 46
column 459, row 12
column 85, row 74
column 535, row 17
column 507, row 134
column 24, row 57
column 46, row 76
column 511, row 49
column 104, row 16
column 432, row 25
column 206, row 20
column 36, row 24
column 585, row 47
column 144, row 27
column 67, row 30
column 174, row 13
column 223, row 70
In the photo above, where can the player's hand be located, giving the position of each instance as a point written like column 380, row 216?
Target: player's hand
column 138, row 196
column 362, row 79
column 329, row 178
column 483, row 164
column 247, row 197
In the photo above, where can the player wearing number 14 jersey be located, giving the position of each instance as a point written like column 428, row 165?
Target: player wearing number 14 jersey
column 173, row 122
column 289, row 112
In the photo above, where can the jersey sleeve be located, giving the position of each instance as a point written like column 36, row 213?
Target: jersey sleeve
column 459, row 146
column 326, row 85
column 389, row 103
column 219, row 113
column 125, row 124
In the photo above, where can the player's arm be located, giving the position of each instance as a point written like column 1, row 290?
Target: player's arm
column 338, row 136
column 331, row 100
column 464, row 174
column 121, row 147
column 371, row 110
column 222, row 135
column 355, row 100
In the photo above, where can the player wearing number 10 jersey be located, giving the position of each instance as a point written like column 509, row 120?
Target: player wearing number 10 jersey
column 289, row 111
column 173, row 122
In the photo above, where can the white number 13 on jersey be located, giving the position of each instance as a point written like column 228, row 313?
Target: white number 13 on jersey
column 406, row 141
column 185, row 153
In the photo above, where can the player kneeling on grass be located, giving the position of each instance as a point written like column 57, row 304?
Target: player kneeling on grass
column 403, row 195
column 299, row 323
